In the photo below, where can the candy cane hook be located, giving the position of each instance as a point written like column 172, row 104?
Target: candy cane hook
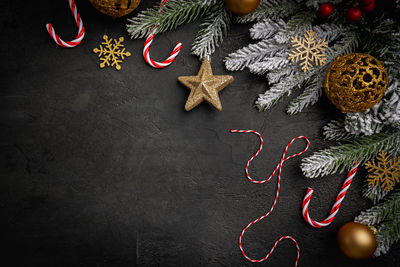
column 279, row 169
column 79, row 23
column 149, row 40
column 336, row 205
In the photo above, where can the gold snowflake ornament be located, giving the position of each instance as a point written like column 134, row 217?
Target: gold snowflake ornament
column 308, row 50
column 111, row 53
column 384, row 172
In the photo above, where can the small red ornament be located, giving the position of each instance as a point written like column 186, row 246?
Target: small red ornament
column 365, row 2
column 367, row 5
column 353, row 14
column 325, row 10
column 369, row 8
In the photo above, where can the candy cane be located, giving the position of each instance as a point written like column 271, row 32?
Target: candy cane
column 79, row 23
column 336, row 205
column 149, row 40
column 279, row 169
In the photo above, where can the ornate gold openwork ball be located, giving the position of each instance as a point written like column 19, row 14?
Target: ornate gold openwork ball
column 356, row 241
column 355, row 82
column 115, row 8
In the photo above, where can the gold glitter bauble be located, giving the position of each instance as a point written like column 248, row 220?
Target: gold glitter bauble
column 115, row 8
column 242, row 7
column 355, row 82
column 357, row 241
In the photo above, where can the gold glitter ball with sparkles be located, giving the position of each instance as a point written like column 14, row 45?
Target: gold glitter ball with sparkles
column 115, row 8
column 355, row 82
column 205, row 86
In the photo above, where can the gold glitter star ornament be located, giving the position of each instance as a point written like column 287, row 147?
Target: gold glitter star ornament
column 205, row 86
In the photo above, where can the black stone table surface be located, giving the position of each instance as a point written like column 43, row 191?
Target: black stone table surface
column 105, row 168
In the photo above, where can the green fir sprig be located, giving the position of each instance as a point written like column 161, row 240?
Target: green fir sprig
column 343, row 156
column 174, row 14
column 385, row 216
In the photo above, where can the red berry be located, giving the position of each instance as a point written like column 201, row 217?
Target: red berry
column 369, row 8
column 325, row 10
column 366, row 2
column 353, row 14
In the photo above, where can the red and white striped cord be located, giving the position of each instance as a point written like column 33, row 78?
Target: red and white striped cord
column 79, row 23
column 279, row 169
column 338, row 202
column 147, row 44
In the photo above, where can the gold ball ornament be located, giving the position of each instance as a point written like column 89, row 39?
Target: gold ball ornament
column 355, row 82
column 115, row 8
column 357, row 241
column 242, row 7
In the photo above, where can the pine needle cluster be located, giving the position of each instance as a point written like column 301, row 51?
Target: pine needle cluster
column 385, row 217
column 215, row 25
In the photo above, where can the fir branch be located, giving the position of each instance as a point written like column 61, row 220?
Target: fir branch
column 281, row 90
column 385, row 215
column 276, row 75
column 267, row 64
column 266, row 28
column 288, row 84
column 317, row 3
column 251, row 54
column 278, row 35
column 388, row 234
column 274, row 9
column 215, row 26
column 380, row 37
column 298, row 24
column 174, row 14
column 310, row 95
column 334, row 130
column 374, row 193
column 342, row 157
column 345, row 45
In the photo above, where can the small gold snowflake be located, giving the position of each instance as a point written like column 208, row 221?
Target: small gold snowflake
column 308, row 50
column 384, row 172
column 112, row 53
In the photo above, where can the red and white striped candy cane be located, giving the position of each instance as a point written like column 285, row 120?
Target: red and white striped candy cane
column 279, row 169
column 149, row 40
column 79, row 23
column 336, row 205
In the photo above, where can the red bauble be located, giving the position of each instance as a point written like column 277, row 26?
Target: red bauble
column 366, row 2
column 325, row 10
column 369, row 8
column 353, row 14
column 367, row 5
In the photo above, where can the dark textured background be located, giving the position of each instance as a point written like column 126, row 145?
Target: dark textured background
column 105, row 168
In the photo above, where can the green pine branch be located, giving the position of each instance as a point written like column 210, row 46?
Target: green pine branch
column 385, row 216
column 273, row 9
column 215, row 26
column 335, row 130
column 174, row 14
column 310, row 95
column 342, row 157
column 374, row 193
